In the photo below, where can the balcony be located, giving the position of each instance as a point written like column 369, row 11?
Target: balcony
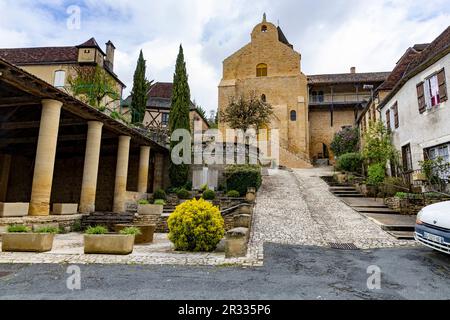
column 338, row 98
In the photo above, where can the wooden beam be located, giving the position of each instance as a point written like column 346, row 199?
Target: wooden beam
column 36, row 124
column 18, row 101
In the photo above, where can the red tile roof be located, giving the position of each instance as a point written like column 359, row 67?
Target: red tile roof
column 45, row 55
column 161, row 90
column 348, row 78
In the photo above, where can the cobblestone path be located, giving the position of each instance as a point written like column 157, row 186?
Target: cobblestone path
column 296, row 208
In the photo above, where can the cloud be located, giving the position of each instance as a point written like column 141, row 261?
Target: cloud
column 332, row 36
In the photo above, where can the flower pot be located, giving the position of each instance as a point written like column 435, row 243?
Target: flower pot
column 147, row 232
column 108, row 244
column 27, row 242
column 150, row 209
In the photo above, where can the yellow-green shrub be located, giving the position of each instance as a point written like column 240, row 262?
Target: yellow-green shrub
column 196, row 226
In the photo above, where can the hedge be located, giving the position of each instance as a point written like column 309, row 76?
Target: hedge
column 242, row 177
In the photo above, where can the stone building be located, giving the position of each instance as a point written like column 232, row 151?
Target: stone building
column 56, row 64
column 159, row 103
column 308, row 110
column 57, row 151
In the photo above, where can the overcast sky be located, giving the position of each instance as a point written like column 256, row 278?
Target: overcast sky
column 331, row 35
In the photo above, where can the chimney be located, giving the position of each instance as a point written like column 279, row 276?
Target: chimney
column 109, row 60
column 353, row 70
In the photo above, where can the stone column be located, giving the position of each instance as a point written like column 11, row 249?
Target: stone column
column 120, row 188
column 159, row 172
column 45, row 158
column 143, row 169
column 5, row 165
column 91, row 162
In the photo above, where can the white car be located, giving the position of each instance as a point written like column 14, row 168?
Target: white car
column 433, row 227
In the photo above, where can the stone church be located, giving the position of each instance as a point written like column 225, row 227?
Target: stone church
column 308, row 110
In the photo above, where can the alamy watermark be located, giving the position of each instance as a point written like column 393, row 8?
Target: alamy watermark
column 374, row 280
column 74, row 17
column 73, row 282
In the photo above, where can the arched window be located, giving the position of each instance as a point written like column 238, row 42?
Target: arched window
column 293, row 115
column 264, row 28
column 263, row 98
column 261, row 70
column 60, row 79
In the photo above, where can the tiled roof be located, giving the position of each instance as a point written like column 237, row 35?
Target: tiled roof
column 45, row 55
column 282, row 38
column 161, row 90
column 348, row 78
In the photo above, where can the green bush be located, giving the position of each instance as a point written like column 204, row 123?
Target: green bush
column 401, row 195
column 97, row 230
column 52, row 230
column 183, row 194
column 376, row 174
column 350, row 162
column 204, row 187
column 160, row 202
column 393, row 185
column 345, row 141
column 18, row 229
column 188, row 186
column 159, row 195
column 143, row 202
column 76, row 227
column 242, row 177
column 233, row 194
column 209, row 195
column 131, row 231
column 196, row 226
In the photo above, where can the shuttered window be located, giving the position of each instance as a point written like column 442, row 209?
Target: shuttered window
column 396, row 120
column 388, row 119
column 421, row 97
column 442, row 86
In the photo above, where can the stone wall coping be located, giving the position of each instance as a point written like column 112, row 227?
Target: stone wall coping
column 237, row 233
column 45, row 219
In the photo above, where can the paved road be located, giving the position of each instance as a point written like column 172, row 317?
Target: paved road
column 290, row 272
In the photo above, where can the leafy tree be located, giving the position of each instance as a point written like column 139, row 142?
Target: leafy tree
column 244, row 113
column 345, row 141
column 378, row 148
column 92, row 85
column 179, row 116
column 139, row 92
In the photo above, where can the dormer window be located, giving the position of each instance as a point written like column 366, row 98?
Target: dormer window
column 264, row 28
column 87, row 51
column 261, row 70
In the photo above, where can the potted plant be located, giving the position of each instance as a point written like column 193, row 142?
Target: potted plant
column 97, row 240
column 145, row 208
column 19, row 238
column 146, row 235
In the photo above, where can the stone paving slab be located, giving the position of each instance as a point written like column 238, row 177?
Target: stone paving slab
column 364, row 202
column 393, row 220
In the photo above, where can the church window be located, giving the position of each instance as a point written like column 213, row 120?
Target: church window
column 261, row 70
column 293, row 115
column 264, row 28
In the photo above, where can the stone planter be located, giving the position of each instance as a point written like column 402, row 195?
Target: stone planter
column 65, row 209
column 251, row 195
column 147, row 232
column 150, row 209
column 14, row 209
column 236, row 243
column 27, row 242
column 108, row 244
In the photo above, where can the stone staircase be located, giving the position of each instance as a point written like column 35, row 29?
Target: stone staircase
column 399, row 226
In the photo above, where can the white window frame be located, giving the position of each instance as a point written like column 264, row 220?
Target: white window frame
column 60, row 81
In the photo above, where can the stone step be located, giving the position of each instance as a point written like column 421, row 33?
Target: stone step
column 350, row 196
column 402, row 235
column 345, row 193
column 384, row 210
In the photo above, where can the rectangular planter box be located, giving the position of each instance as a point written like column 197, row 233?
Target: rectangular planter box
column 147, row 230
column 150, row 209
column 65, row 209
column 13, row 209
column 27, row 242
column 108, row 244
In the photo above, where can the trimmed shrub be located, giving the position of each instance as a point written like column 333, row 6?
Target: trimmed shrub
column 160, row 202
column 159, row 195
column 183, row 194
column 242, row 177
column 143, row 202
column 209, row 195
column 350, row 162
column 18, row 229
column 196, row 226
column 376, row 174
column 97, row 230
column 233, row 194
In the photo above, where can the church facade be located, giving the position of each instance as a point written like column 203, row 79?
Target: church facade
column 308, row 110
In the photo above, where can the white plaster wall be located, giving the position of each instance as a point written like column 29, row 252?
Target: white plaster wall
column 420, row 130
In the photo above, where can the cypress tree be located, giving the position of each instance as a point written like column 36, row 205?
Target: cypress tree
column 179, row 116
column 139, row 92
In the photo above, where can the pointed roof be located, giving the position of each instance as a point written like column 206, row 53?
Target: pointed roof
column 91, row 43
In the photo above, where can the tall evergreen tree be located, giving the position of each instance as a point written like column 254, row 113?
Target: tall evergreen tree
column 139, row 92
column 179, row 116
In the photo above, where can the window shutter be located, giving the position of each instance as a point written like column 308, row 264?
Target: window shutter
column 397, row 123
column 421, row 97
column 442, row 85
column 388, row 119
